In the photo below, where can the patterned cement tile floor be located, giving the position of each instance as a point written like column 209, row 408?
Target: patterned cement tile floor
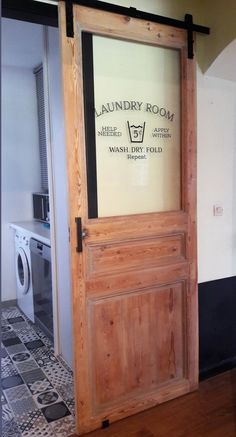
column 37, row 387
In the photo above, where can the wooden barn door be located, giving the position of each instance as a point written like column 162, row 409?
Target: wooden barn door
column 129, row 92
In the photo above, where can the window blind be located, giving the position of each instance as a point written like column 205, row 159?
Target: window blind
column 41, row 126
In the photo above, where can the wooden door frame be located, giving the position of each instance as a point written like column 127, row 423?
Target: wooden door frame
column 76, row 155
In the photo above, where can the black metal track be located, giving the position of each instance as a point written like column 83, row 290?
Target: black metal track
column 32, row 11
column 135, row 13
column 43, row 13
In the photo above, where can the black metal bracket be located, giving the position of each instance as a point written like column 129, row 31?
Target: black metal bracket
column 78, row 222
column 189, row 25
column 69, row 19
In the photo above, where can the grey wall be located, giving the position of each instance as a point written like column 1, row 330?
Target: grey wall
column 60, row 193
column 20, row 155
column 20, row 162
column 20, row 150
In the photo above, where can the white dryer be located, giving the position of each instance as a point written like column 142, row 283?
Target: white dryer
column 23, row 274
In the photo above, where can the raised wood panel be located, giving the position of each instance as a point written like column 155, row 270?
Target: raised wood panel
column 114, row 257
column 139, row 344
column 138, row 279
column 144, row 225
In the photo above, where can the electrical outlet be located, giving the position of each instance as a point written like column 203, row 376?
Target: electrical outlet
column 218, row 209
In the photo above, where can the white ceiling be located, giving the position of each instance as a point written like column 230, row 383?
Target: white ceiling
column 224, row 66
column 22, row 43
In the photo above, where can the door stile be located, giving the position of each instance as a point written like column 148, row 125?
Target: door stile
column 189, row 91
column 74, row 116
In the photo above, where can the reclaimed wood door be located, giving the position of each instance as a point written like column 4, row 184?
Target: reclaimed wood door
column 129, row 96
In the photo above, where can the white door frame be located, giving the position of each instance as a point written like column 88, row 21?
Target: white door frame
column 53, row 236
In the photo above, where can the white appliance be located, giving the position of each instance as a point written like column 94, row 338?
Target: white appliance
column 23, row 273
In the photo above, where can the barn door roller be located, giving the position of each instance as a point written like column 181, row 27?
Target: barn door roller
column 135, row 13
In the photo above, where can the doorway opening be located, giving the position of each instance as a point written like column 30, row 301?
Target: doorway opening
column 35, row 239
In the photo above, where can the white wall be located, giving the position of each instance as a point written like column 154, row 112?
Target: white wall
column 60, row 194
column 20, row 162
column 216, row 177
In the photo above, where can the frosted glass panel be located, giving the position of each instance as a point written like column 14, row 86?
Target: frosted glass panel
column 137, row 127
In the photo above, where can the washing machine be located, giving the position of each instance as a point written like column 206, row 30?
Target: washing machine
column 23, row 273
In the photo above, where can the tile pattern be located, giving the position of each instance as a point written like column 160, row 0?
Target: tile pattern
column 7, row 413
column 47, row 398
column 26, row 365
column 25, row 405
column 63, row 427
column 37, row 387
column 16, row 348
column 11, row 341
column 7, row 368
column 30, row 420
column 17, row 393
column 3, row 352
column 11, row 381
column 41, row 429
column 27, row 335
column 10, row 429
column 43, row 356
column 55, row 411
column 57, row 375
column 21, row 356
column 8, row 334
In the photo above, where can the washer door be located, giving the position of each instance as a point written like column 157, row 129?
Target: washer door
column 22, row 271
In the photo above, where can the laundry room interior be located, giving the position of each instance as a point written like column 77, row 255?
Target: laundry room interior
column 35, row 271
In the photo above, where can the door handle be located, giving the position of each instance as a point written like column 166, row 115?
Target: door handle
column 81, row 234
column 78, row 222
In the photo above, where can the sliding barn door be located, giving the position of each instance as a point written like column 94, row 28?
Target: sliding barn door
column 130, row 132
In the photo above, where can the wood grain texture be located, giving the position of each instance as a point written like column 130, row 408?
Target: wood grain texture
column 74, row 128
column 138, row 272
column 208, row 412
column 189, row 170
column 137, row 279
column 153, row 224
column 136, row 253
column 131, row 352
column 120, row 26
